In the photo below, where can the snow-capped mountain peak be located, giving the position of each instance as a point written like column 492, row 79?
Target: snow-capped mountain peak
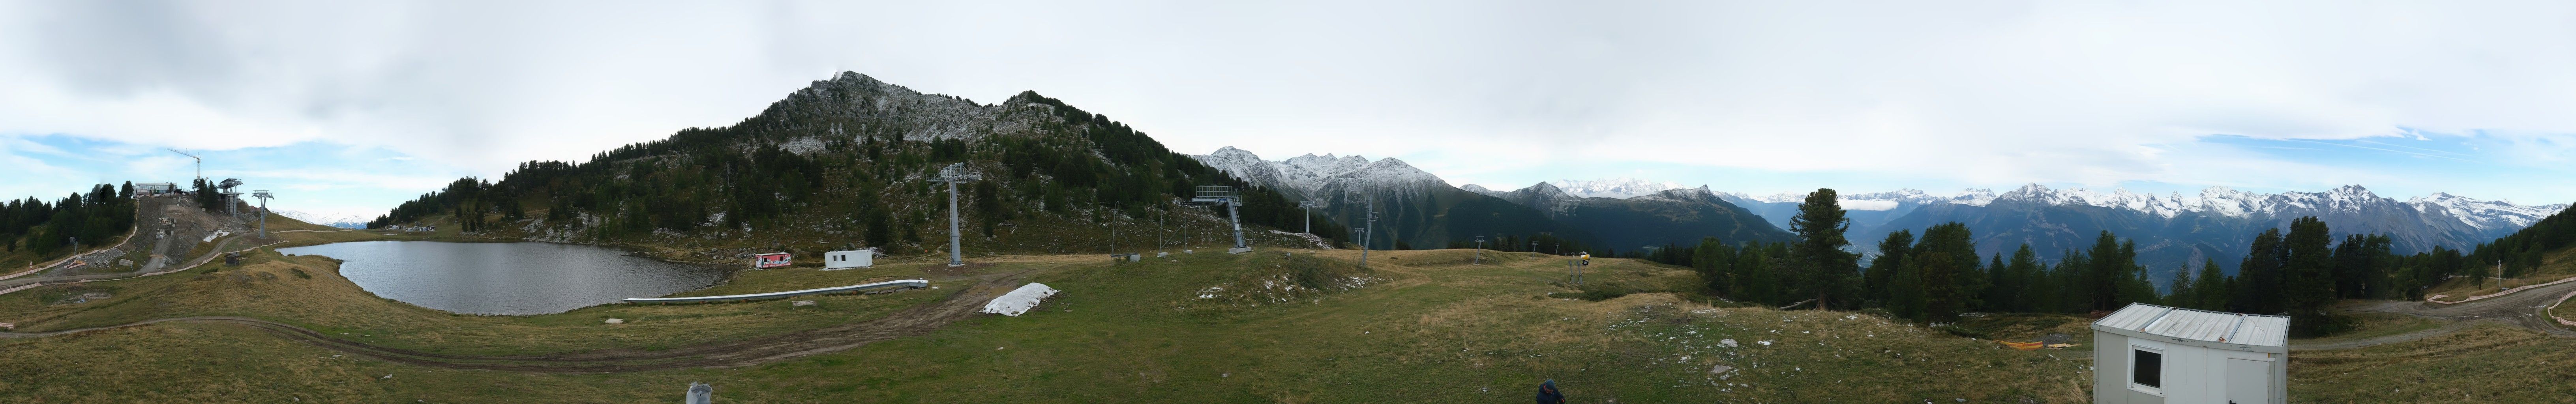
column 2484, row 214
column 1310, row 173
column 1620, row 188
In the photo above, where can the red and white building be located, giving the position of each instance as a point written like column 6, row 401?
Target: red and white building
column 770, row 260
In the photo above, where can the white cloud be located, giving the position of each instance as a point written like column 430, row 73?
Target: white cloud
column 1858, row 204
column 1982, row 94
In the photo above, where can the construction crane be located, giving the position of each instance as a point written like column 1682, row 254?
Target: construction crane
column 201, row 162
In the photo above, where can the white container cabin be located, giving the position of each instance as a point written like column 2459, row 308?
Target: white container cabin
column 859, row 258
column 2146, row 354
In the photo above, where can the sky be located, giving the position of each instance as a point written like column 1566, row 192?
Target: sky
column 356, row 107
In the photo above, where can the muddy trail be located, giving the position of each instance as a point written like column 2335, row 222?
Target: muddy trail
column 912, row 321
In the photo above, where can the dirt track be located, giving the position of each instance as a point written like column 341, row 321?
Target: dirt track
column 2526, row 308
column 908, row 322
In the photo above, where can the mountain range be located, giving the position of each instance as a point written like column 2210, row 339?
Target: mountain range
column 1412, row 206
column 2171, row 230
column 1425, row 210
column 343, row 220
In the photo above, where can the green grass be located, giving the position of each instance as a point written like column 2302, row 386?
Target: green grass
column 2554, row 266
column 1418, row 326
column 2487, row 363
column 265, row 286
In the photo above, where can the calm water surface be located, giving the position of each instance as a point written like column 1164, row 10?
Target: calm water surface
column 508, row 278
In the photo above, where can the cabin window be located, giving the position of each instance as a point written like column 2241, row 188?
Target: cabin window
column 2147, row 369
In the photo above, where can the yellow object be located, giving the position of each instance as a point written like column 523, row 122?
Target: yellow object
column 2022, row 345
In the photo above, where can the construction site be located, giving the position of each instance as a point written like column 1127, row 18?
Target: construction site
column 170, row 234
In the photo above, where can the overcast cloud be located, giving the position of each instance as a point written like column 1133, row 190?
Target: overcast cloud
column 2406, row 97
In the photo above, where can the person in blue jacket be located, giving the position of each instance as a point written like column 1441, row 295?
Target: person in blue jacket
column 1547, row 393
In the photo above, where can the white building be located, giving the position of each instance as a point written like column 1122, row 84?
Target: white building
column 859, row 258
column 2146, row 353
column 155, row 188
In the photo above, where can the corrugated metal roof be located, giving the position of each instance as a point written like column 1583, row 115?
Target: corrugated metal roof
column 2233, row 328
column 2133, row 317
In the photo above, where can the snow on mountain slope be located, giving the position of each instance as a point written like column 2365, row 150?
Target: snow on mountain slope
column 2485, row 215
column 1311, row 174
column 345, row 220
column 1622, row 188
column 2219, row 201
column 1243, row 164
column 1482, row 190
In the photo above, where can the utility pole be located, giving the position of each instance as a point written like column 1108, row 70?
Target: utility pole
column 1480, row 251
column 1578, row 263
column 1112, row 224
column 263, row 196
column 953, row 174
column 1370, row 207
column 1310, row 206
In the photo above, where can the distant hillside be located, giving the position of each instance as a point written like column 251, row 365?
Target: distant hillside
column 1413, row 206
column 2173, row 231
column 333, row 219
column 1672, row 216
column 847, row 162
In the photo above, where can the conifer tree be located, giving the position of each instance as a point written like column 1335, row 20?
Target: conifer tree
column 2071, row 284
column 1824, row 270
column 2307, row 283
column 2210, row 291
column 2258, row 279
column 1966, row 283
column 1715, row 263
column 1906, row 296
column 2001, row 294
column 1943, row 299
column 2027, row 278
column 2113, row 266
column 2181, row 294
column 1882, row 269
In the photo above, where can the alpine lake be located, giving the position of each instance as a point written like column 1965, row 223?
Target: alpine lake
column 522, row 278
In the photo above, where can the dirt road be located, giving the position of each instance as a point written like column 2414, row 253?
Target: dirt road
column 2526, row 308
column 908, row 322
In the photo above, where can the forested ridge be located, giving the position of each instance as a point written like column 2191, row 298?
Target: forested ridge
column 847, row 163
column 33, row 229
column 1939, row 275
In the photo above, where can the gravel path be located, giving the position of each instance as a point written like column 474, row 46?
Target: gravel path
column 2527, row 308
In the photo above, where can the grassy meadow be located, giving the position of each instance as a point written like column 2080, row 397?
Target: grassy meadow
column 1271, row 326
